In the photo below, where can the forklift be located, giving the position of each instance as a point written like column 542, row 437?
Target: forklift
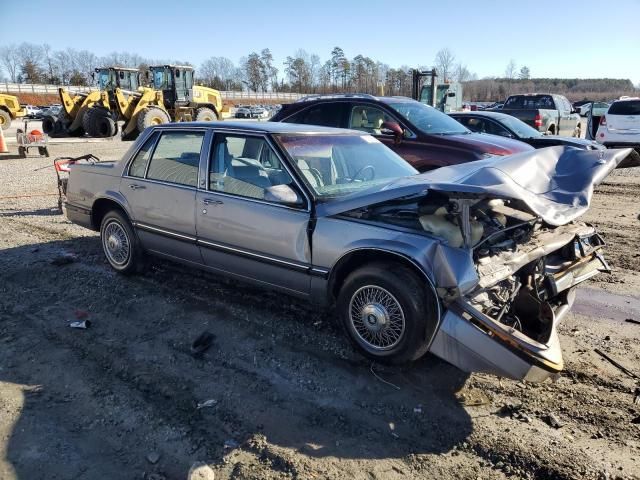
column 446, row 97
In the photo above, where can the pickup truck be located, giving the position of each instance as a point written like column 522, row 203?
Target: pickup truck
column 548, row 113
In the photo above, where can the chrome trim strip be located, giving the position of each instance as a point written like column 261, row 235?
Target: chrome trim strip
column 161, row 231
column 160, row 182
column 296, row 266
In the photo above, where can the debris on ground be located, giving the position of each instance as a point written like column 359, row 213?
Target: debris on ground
column 616, row 364
column 552, row 420
column 84, row 324
column 202, row 343
column 201, row 471
column 631, row 320
column 153, row 457
column 207, row 403
column 516, row 412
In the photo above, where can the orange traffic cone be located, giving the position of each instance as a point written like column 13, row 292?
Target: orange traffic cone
column 3, row 144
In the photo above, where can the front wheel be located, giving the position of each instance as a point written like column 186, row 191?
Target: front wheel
column 120, row 244
column 388, row 312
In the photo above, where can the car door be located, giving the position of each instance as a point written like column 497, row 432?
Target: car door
column 160, row 188
column 242, row 230
column 566, row 122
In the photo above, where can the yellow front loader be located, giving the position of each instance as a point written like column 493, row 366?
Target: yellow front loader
column 74, row 107
column 10, row 109
column 139, row 110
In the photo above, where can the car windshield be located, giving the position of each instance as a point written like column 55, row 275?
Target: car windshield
column 428, row 119
column 337, row 165
column 520, row 128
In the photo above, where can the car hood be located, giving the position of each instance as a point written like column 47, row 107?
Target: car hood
column 491, row 144
column 556, row 183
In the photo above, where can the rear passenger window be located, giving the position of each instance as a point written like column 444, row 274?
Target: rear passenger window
column 139, row 164
column 176, row 158
column 625, row 107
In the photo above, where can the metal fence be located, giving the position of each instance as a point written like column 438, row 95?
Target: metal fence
column 18, row 88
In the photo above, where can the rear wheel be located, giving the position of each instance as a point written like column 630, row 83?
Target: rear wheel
column 5, row 119
column 388, row 312
column 205, row 114
column 151, row 116
column 120, row 244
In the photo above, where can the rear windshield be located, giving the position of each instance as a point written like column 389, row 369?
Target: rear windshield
column 530, row 101
column 631, row 107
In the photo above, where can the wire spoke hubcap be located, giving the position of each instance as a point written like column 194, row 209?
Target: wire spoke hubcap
column 376, row 317
column 116, row 243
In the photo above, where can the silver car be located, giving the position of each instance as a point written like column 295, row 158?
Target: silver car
column 476, row 263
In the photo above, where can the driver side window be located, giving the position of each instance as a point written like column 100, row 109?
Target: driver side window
column 245, row 166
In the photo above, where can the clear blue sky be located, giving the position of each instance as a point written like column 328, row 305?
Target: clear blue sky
column 588, row 38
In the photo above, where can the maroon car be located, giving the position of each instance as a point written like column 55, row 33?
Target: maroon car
column 422, row 135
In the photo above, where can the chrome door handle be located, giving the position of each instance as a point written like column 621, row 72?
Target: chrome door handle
column 211, row 201
column 133, row 186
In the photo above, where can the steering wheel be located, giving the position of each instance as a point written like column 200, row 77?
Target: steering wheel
column 361, row 171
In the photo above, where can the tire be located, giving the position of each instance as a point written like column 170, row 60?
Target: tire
column 88, row 121
column 151, row 116
column 5, row 119
column 551, row 130
column 120, row 244
column 205, row 114
column 394, row 294
column 48, row 125
column 43, row 151
column 22, row 152
column 104, row 125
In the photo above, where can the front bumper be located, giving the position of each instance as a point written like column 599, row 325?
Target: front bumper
column 475, row 342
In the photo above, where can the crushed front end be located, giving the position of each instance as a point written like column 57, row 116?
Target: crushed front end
column 527, row 273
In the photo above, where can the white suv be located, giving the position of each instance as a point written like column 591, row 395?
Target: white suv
column 620, row 126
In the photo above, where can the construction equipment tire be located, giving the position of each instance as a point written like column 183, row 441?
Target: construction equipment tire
column 205, row 114
column 151, row 116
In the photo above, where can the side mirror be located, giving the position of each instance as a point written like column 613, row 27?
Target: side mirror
column 284, row 195
column 451, row 94
column 393, row 128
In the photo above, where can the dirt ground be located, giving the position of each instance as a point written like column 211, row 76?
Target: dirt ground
column 286, row 396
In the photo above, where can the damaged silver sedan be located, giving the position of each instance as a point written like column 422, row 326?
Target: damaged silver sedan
column 476, row 263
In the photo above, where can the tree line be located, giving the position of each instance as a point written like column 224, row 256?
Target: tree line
column 301, row 72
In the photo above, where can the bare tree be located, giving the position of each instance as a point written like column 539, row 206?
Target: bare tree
column 510, row 71
column 444, row 63
column 10, row 60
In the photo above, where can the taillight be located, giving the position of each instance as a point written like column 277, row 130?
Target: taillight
column 603, row 121
column 537, row 121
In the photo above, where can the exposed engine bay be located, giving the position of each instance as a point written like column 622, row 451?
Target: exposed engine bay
column 525, row 267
